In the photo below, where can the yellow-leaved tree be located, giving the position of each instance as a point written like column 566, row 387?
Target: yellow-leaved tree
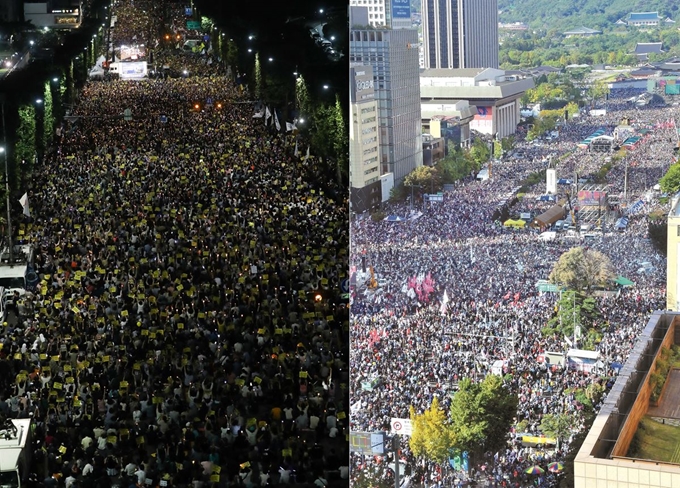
column 431, row 436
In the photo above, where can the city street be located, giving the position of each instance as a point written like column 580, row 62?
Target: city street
column 457, row 295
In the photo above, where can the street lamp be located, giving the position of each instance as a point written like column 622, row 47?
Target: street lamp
column 271, row 59
column 39, row 101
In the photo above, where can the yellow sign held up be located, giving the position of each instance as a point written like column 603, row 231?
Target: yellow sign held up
column 527, row 439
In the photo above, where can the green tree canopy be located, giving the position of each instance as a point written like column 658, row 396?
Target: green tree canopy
column 25, row 145
column 431, row 436
column 480, row 151
column 582, row 269
column 575, row 309
column 303, row 101
column 481, row 415
column 426, row 177
column 670, row 182
column 457, row 164
column 599, row 89
column 257, row 70
column 556, row 425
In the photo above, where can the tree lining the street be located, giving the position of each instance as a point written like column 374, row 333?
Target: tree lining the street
column 478, row 421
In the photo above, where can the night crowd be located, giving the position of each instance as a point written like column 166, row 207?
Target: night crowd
column 188, row 327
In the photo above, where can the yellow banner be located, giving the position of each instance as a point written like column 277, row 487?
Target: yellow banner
column 538, row 440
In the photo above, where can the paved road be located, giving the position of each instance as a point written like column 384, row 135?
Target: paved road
column 23, row 62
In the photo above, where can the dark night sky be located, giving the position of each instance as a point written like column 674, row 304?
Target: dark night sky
column 289, row 43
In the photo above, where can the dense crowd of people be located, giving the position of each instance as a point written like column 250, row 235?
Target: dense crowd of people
column 188, row 327
column 411, row 347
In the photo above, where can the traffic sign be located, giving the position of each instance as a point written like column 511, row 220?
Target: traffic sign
column 208, row 102
column 344, row 285
column 401, row 426
column 164, row 118
column 127, row 114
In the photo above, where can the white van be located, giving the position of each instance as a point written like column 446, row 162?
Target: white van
column 14, row 277
column 15, row 452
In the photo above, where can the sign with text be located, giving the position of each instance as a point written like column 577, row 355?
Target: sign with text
column 401, row 9
column 401, row 426
column 550, row 181
column 371, row 443
column 362, row 84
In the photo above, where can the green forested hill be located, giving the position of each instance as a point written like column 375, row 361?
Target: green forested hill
column 567, row 14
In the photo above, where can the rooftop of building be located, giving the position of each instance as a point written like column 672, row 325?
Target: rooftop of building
column 602, row 457
column 648, row 47
column 641, row 16
column 582, row 30
column 451, row 73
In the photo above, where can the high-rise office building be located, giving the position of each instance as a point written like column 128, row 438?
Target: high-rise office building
column 393, row 55
column 460, row 33
column 393, row 14
column 364, row 160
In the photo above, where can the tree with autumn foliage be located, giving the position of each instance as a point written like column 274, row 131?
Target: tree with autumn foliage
column 431, row 436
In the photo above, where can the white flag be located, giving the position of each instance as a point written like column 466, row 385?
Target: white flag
column 259, row 114
column 24, row 204
column 289, row 127
column 276, row 121
column 267, row 114
column 307, row 155
column 445, row 300
column 296, row 149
